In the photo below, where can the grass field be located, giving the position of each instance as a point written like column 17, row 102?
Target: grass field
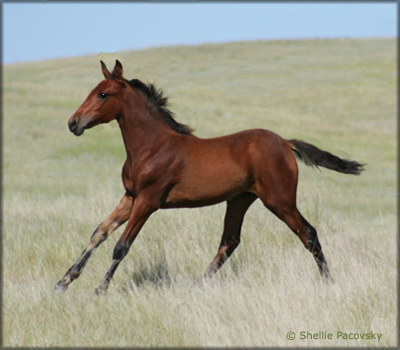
column 337, row 94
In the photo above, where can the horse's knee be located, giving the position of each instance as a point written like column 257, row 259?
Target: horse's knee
column 120, row 251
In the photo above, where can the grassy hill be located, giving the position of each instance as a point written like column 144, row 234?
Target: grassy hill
column 337, row 94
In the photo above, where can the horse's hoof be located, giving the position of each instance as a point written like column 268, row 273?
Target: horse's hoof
column 100, row 292
column 101, row 289
column 59, row 288
column 328, row 279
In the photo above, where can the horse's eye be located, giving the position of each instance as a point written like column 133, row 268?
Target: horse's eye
column 103, row 95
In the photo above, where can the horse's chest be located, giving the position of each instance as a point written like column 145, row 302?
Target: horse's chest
column 140, row 176
column 127, row 178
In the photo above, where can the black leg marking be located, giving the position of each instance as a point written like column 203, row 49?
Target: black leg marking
column 315, row 248
column 120, row 251
column 103, row 285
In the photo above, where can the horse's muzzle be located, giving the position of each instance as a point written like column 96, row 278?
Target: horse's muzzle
column 73, row 126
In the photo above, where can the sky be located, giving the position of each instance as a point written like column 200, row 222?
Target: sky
column 42, row 30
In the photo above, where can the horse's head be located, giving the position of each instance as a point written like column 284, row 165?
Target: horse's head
column 102, row 105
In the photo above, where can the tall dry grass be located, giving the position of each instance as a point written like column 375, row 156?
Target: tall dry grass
column 337, row 94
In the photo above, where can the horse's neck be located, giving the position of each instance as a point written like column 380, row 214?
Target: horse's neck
column 142, row 130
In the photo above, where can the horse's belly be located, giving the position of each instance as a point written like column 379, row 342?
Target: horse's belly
column 205, row 190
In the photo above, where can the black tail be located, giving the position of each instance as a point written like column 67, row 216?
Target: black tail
column 313, row 156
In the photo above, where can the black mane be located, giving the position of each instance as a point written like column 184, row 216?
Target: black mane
column 159, row 102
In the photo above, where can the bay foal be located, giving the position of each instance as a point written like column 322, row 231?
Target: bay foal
column 167, row 166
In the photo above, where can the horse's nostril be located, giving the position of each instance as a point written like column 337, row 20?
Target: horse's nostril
column 72, row 125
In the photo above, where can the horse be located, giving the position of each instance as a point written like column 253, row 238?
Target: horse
column 167, row 166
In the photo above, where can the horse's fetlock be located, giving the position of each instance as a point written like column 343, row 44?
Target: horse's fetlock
column 73, row 273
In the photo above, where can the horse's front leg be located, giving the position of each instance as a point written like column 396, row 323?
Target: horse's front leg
column 141, row 211
column 117, row 217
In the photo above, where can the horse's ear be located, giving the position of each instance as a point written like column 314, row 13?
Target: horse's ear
column 118, row 70
column 105, row 71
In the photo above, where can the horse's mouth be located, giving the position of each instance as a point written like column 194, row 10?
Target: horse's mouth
column 78, row 132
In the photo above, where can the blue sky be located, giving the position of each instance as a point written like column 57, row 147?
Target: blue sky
column 36, row 31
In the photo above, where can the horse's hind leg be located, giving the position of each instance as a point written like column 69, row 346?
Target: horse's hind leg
column 117, row 217
column 314, row 247
column 307, row 234
column 235, row 211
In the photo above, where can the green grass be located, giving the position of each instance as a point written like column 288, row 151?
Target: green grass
column 337, row 94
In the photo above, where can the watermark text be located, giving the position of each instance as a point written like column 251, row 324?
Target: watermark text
column 305, row 335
